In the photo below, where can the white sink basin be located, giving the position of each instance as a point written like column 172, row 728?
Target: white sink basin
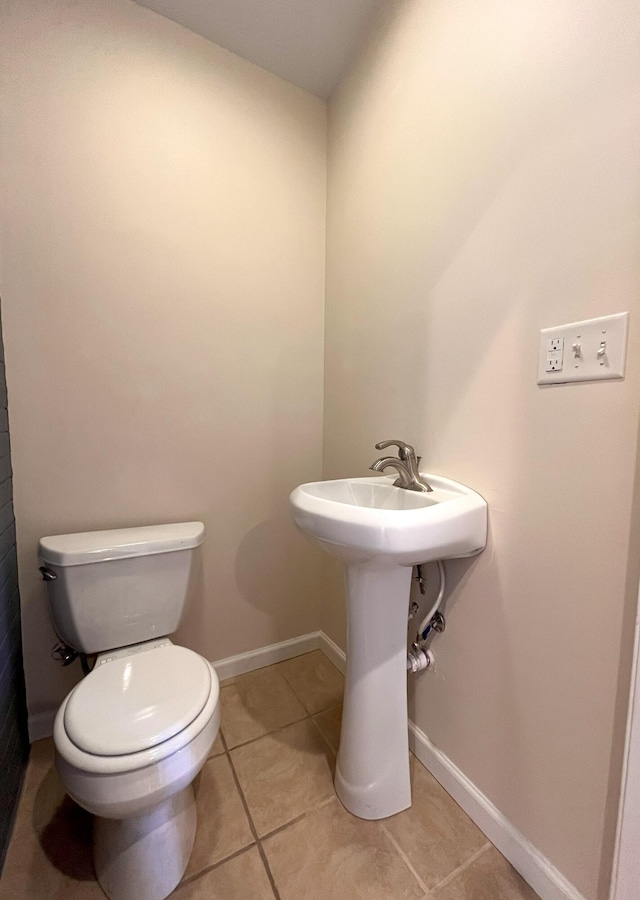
column 360, row 519
column 380, row 531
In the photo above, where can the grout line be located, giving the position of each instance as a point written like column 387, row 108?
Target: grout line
column 329, row 708
column 265, row 863
column 298, row 697
column 291, row 685
column 215, row 865
column 465, row 865
column 293, row 688
column 228, row 751
column 303, row 815
column 216, row 755
column 325, row 739
column 263, row 856
column 267, row 733
column 280, row 828
column 282, row 727
column 326, row 709
column 405, row 858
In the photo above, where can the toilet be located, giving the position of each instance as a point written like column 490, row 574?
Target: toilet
column 134, row 733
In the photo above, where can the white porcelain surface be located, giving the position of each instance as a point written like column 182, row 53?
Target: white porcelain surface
column 118, row 602
column 362, row 519
column 119, row 543
column 99, row 765
column 137, row 701
column 381, row 532
column 131, row 791
column 372, row 769
column 132, row 736
column 144, row 857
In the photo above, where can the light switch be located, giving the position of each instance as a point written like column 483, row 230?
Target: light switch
column 584, row 351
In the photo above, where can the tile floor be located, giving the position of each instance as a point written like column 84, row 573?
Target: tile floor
column 270, row 825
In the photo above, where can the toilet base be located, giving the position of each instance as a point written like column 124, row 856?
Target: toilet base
column 145, row 856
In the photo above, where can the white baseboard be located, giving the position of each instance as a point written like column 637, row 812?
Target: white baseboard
column 41, row 724
column 535, row 868
column 267, row 656
column 333, row 653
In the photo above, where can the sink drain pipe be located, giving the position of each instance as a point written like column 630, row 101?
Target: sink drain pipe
column 419, row 659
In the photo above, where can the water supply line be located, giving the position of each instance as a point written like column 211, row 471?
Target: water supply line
column 419, row 659
column 65, row 655
column 84, row 662
column 425, row 626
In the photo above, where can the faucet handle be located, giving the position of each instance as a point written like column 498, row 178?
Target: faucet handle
column 405, row 451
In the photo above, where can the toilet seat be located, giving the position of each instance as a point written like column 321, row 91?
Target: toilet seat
column 134, row 702
column 187, row 669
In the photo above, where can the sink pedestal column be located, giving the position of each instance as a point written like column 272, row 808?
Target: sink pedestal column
column 372, row 770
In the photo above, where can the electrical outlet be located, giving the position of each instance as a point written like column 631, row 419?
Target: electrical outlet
column 555, row 354
column 596, row 350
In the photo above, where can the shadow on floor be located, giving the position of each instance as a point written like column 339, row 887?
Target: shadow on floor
column 64, row 829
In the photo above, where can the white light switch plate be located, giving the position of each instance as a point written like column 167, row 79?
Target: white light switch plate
column 592, row 350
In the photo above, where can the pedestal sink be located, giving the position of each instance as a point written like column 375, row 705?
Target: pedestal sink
column 381, row 531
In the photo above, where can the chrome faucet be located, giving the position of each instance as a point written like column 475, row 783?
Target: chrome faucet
column 405, row 464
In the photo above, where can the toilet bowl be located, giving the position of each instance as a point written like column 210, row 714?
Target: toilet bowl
column 160, row 704
column 134, row 733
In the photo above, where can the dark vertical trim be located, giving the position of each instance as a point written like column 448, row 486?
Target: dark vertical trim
column 14, row 740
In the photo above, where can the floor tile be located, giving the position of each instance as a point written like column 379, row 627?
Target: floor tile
column 329, row 723
column 331, row 854
column 318, row 851
column 50, row 854
column 284, row 774
column 223, row 826
column 256, row 704
column 316, row 681
column 489, row 877
column 435, row 833
column 40, row 764
column 244, row 877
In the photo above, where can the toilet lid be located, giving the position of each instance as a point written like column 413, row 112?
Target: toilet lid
column 135, row 702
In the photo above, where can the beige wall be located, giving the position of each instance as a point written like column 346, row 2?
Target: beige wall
column 162, row 291
column 483, row 184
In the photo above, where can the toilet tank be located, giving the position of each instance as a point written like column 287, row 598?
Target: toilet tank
column 109, row 589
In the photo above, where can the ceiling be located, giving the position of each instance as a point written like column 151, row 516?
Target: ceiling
column 307, row 42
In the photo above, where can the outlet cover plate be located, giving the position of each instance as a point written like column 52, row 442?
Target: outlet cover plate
column 593, row 350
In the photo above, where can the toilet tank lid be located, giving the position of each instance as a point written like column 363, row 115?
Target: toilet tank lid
column 120, row 543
